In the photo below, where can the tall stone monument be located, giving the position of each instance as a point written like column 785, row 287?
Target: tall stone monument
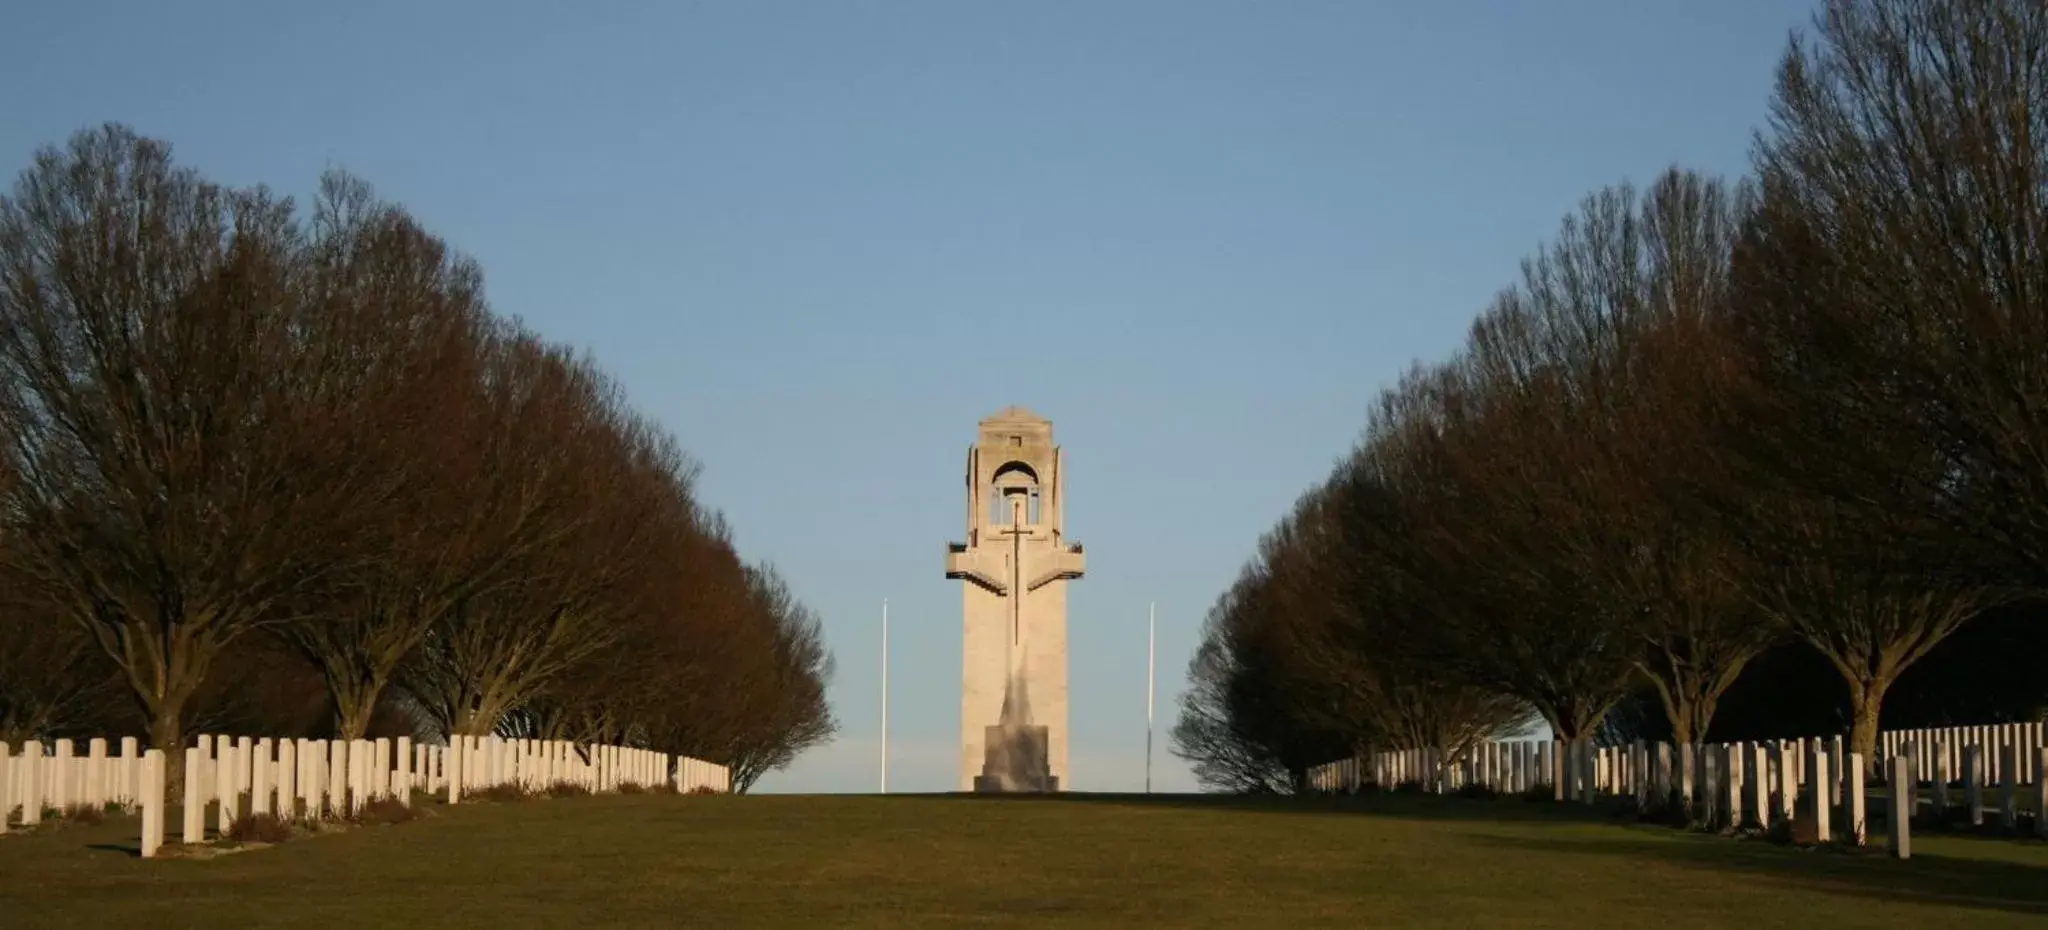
column 1016, row 562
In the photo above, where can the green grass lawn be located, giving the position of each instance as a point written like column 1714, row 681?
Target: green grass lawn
column 1088, row 861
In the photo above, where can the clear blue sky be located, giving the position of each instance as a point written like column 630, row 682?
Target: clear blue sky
column 820, row 240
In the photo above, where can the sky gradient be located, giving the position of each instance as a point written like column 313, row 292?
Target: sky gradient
column 819, row 241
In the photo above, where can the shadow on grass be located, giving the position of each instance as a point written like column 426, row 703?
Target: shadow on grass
column 1924, row 879
column 1505, row 809
column 1401, row 806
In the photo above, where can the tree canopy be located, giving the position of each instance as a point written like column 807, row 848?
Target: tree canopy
column 1791, row 421
column 282, row 469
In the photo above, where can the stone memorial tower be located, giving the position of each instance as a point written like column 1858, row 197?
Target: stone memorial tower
column 1016, row 562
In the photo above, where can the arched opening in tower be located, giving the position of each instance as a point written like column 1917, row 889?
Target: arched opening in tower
column 1016, row 497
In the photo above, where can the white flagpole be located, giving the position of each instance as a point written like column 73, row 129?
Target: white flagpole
column 885, row 695
column 1151, row 638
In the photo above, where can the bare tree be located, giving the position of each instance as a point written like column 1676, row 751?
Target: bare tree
column 1210, row 733
column 1870, row 612
column 54, row 680
column 595, row 471
column 411, row 312
column 1356, row 626
column 784, row 684
column 1234, row 728
column 1891, row 318
column 1492, row 496
column 175, row 491
column 271, row 469
column 1627, row 300
column 1901, row 268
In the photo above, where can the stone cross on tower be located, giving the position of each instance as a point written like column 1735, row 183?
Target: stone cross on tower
column 1016, row 562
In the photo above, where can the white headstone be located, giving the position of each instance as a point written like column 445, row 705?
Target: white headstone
column 7, row 765
column 1859, row 830
column 1731, row 787
column 261, row 777
column 1819, row 787
column 1901, row 807
column 245, row 759
column 337, row 778
column 1973, row 782
column 61, row 796
column 288, row 779
column 361, row 756
column 226, row 790
column 313, row 784
column 152, row 801
column 401, row 780
column 1761, row 760
column 1786, row 762
column 195, row 795
column 96, row 770
column 2008, row 785
column 453, row 774
column 132, row 761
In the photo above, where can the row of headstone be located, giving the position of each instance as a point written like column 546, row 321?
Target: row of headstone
column 481, row 762
column 308, row 779
column 696, row 775
column 36, row 782
column 1724, row 785
column 1991, row 742
column 296, row 778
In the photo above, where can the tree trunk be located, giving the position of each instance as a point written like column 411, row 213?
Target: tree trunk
column 481, row 718
column 166, row 732
column 1689, row 700
column 1559, row 725
column 1866, row 698
column 1683, row 713
column 1697, row 718
column 353, row 707
column 351, row 720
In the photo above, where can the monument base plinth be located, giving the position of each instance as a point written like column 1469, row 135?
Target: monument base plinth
column 1016, row 760
column 983, row 784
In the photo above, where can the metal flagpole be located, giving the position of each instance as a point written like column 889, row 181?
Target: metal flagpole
column 885, row 695
column 1151, row 638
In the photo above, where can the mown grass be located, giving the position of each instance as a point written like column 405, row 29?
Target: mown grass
column 1075, row 861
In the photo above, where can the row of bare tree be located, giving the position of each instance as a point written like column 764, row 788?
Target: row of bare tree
column 1805, row 410
column 281, row 470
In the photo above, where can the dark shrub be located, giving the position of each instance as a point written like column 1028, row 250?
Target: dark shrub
column 1478, row 792
column 260, row 828
column 504, row 792
column 382, row 811
column 568, row 789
